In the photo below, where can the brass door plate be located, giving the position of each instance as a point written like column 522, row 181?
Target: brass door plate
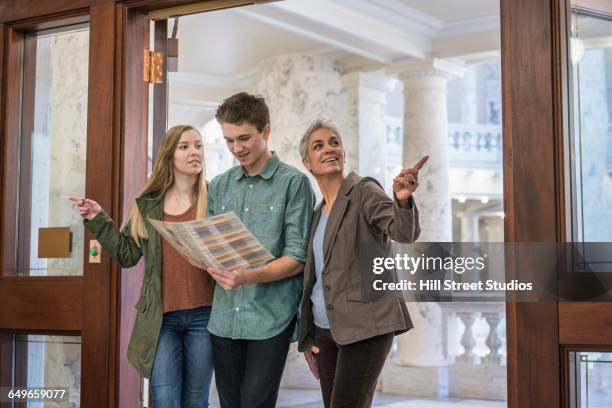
column 95, row 251
column 54, row 242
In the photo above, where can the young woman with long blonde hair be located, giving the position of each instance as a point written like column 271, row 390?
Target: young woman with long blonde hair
column 170, row 342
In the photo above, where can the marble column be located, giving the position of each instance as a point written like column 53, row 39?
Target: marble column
column 298, row 89
column 366, row 99
column 426, row 133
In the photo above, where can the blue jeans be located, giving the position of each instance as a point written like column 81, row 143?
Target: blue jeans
column 183, row 366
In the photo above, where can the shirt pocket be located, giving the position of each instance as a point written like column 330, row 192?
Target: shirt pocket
column 228, row 206
column 268, row 219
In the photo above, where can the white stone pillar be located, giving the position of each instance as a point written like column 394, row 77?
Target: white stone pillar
column 426, row 133
column 366, row 100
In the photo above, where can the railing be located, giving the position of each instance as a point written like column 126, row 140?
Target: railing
column 469, row 314
column 475, row 145
column 474, row 363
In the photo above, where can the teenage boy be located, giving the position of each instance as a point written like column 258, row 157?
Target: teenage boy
column 254, row 311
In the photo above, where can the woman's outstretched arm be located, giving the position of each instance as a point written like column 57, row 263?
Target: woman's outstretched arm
column 119, row 244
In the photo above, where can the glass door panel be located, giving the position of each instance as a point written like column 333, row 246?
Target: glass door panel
column 47, row 363
column 591, row 142
column 52, row 151
column 591, row 376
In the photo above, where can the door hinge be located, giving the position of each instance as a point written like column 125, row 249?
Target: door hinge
column 153, row 67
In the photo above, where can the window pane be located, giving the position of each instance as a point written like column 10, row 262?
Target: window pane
column 53, row 145
column 50, row 362
column 592, row 374
column 591, row 57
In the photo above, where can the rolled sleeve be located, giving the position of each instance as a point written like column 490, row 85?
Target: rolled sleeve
column 298, row 214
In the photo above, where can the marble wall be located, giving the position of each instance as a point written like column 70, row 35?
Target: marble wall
column 300, row 88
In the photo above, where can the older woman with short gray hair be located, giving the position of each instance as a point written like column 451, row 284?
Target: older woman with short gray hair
column 346, row 328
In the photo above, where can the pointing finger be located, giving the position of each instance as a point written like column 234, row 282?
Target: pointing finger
column 420, row 163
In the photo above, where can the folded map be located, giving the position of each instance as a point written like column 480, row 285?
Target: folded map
column 221, row 241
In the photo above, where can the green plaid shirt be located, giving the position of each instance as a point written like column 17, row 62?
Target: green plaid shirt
column 276, row 205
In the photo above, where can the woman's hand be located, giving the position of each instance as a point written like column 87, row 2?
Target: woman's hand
column 407, row 182
column 311, row 360
column 87, row 208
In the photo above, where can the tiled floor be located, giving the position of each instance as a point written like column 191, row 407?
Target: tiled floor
column 293, row 398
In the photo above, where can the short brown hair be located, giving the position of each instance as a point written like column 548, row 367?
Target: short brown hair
column 243, row 107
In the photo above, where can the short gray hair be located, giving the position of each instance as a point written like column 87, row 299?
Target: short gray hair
column 314, row 126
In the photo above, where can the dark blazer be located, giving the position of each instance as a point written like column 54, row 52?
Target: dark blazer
column 362, row 219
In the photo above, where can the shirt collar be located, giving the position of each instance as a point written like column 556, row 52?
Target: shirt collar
column 268, row 170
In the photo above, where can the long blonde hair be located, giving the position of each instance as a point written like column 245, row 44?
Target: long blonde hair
column 162, row 178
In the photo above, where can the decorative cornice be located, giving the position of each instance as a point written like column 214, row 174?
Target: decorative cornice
column 398, row 14
column 468, row 26
column 360, row 27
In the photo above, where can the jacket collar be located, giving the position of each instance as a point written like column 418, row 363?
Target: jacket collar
column 148, row 201
column 345, row 189
column 349, row 183
column 268, row 170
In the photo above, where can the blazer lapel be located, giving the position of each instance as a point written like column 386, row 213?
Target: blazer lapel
column 337, row 214
column 333, row 223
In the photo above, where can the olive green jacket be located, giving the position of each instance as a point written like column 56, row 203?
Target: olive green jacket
column 123, row 249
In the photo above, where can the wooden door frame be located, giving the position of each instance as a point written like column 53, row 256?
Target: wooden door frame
column 534, row 200
column 55, row 305
column 534, row 78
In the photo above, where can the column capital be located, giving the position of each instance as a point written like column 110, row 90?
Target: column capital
column 409, row 68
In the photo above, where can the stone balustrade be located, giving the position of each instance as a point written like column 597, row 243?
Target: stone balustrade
column 473, row 339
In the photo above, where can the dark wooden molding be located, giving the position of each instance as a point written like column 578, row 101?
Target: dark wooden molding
column 28, row 112
column 36, row 15
column 36, row 305
column 531, row 195
column 160, row 91
column 134, row 111
column 11, row 129
column 585, row 323
column 97, row 332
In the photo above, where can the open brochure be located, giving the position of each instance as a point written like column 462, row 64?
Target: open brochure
column 221, row 241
